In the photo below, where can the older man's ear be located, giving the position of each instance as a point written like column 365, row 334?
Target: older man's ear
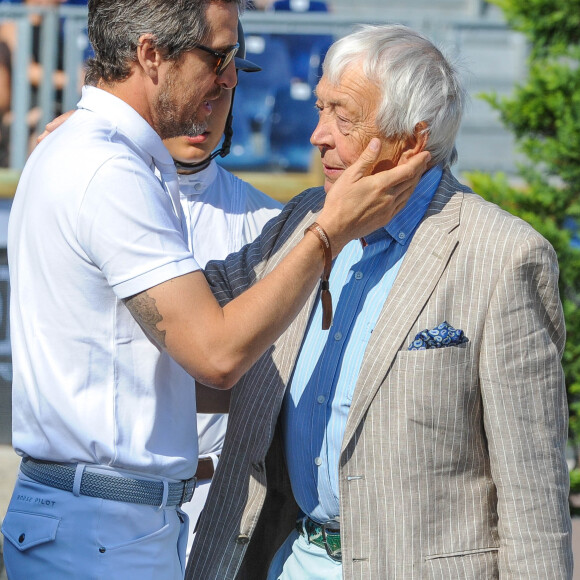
column 415, row 144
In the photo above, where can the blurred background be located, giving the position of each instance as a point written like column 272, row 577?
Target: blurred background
column 519, row 144
column 43, row 44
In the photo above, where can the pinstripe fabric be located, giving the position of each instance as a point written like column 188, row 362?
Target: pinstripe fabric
column 452, row 463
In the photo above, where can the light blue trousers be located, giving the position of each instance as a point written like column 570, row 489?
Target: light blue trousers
column 51, row 534
column 297, row 559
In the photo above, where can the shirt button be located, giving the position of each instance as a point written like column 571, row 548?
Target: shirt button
column 401, row 235
column 318, row 461
column 242, row 539
column 321, row 399
column 358, row 275
column 197, row 186
column 338, row 336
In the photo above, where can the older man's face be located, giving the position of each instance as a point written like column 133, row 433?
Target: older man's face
column 346, row 124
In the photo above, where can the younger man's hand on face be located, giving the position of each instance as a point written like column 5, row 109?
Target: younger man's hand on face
column 360, row 202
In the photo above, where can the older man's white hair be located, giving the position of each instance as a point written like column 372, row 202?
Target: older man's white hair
column 417, row 83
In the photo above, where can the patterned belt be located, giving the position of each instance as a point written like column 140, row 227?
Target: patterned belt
column 109, row 487
column 325, row 536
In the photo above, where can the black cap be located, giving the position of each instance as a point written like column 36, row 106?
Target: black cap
column 241, row 62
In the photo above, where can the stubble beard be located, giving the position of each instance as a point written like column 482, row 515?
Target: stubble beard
column 166, row 109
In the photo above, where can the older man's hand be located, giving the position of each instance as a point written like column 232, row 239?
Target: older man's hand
column 368, row 201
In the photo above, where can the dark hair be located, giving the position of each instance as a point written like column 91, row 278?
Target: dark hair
column 115, row 27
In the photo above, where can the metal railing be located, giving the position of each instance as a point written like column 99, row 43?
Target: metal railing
column 62, row 25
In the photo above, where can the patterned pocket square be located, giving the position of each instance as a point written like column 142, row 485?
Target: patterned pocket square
column 439, row 337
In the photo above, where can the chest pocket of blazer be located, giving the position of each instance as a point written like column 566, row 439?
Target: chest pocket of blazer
column 438, row 358
column 435, row 388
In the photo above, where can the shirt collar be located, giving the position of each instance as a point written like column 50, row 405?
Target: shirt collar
column 126, row 120
column 197, row 183
column 403, row 225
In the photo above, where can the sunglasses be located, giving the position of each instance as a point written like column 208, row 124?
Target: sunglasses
column 222, row 58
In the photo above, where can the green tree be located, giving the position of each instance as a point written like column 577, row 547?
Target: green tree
column 544, row 114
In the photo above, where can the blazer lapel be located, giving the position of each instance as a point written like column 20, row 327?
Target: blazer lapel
column 427, row 257
column 286, row 348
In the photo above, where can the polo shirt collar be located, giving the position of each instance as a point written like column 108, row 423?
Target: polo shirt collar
column 126, row 120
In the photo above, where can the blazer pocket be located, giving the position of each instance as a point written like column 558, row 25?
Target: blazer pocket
column 480, row 564
column 440, row 358
column 435, row 387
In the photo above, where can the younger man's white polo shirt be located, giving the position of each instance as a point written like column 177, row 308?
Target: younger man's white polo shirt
column 91, row 225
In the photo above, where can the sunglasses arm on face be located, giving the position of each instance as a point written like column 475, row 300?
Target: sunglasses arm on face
column 223, row 59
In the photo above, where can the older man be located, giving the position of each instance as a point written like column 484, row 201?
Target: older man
column 109, row 309
column 423, row 435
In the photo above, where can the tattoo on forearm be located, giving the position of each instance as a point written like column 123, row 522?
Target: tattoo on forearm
column 143, row 308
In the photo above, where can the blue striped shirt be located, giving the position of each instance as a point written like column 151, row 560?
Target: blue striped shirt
column 317, row 402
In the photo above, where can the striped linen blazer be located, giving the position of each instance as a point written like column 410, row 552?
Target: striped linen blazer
column 452, row 464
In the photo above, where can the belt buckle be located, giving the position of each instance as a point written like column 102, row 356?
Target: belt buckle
column 336, row 553
column 188, row 489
